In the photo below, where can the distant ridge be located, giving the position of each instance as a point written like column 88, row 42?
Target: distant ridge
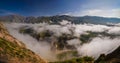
column 57, row 18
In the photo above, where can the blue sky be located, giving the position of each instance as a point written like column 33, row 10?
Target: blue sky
column 107, row 8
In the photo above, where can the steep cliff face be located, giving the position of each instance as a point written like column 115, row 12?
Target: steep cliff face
column 14, row 51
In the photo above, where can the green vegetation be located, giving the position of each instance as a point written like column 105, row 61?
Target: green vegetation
column 41, row 35
column 44, row 34
column 13, row 51
column 26, row 30
column 101, row 59
column 85, row 59
column 87, row 37
column 62, row 41
column 67, row 54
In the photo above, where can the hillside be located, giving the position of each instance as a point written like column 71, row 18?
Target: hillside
column 114, row 57
column 14, row 51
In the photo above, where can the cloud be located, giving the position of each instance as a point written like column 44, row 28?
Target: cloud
column 40, row 47
column 96, row 12
column 95, row 47
column 102, row 12
column 105, row 8
column 99, row 46
column 75, row 42
column 114, row 30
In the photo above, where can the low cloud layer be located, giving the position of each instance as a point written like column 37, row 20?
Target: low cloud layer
column 94, row 48
column 99, row 45
column 96, row 12
column 41, row 48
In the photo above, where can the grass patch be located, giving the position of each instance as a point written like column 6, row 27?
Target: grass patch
column 12, row 50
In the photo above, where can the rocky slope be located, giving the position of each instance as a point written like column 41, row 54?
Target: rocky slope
column 114, row 57
column 14, row 51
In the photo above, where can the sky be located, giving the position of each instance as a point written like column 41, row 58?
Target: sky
column 105, row 8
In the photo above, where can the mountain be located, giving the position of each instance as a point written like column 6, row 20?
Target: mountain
column 14, row 51
column 100, row 20
column 58, row 18
column 12, row 18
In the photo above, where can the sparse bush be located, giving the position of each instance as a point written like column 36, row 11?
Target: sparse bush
column 85, row 59
column 67, row 55
column 87, row 37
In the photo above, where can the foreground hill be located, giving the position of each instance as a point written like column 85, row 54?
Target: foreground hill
column 14, row 51
column 114, row 57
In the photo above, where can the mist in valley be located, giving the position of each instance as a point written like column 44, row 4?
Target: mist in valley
column 105, row 40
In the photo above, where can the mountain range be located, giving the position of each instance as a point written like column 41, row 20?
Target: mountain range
column 58, row 18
